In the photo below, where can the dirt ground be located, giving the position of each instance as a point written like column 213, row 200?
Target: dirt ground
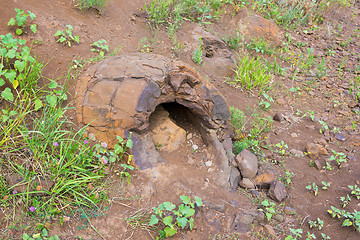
column 122, row 24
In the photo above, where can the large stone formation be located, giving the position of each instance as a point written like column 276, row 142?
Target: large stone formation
column 118, row 95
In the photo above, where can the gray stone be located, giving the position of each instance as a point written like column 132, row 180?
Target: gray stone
column 289, row 211
column 294, row 135
column 313, row 150
column 246, row 183
column 297, row 153
column 279, row 217
column 317, row 165
column 208, row 163
column 277, row 191
column 220, row 207
column 278, row 117
column 340, row 137
column 242, row 223
column 247, row 163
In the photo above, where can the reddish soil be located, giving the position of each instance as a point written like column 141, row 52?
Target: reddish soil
column 122, row 26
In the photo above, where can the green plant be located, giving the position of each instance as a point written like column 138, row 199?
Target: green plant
column 316, row 224
column 282, row 147
column 330, row 52
column 325, row 186
column 287, row 178
column 355, row 190
column 328, row 166
column 265, row 102
column 234, row 42
column 21, row 19
column 86, row 4
column 345, row 200
column 339, row 157
column 296, row 234
column 314, row 188
column 260, row 45
column 197, row 54
column 324, row 236
column 66, row 37
column 310, row 236
column 144, row 45
column 250, row 73
column 164, row 214
column 40, row 236
column 269, row 209
column 275, row 68
column 101, row 47
column 324, row 127
column 348, row 219
column 17, row 67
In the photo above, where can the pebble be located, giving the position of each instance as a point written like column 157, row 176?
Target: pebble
column 246, row 183
column 317, row 165
column 247, row 163
column 340, row 137
column 279, row 217
column 92, row 136
column 195, row 147
column 289, row 210
column 189, row 136
column 190, row 161
column 208, row 163
column 297, row 153
column 294, row 135
column 280, row 101
column 277, row 191
column 278, row 117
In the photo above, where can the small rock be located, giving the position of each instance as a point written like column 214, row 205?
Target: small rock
column 264, row 179
column 242, row 223
column 92, row 136
column 321, row 141
column 220, row 207
column 195, row 147
column 312, row 93
column 278, row 117
column 351, row 157
column 277, row 191
column 289, row 210
column 270, row 230
column 208, row 163
column 280, row 101
column 294, row 135
column 247, row 163
column 357, row 182
column 190, row 161
column 259, row 216
column 313, row 150
column 317, row 165
column 279, row 217
column 255, row 193
column 246, row 183
column 189, row 136
column 340, row 137
column 297, row 153
column 311, row 127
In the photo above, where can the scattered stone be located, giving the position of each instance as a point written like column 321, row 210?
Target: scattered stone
column 92, row 136
column 259, row 216
column 195, row 147
column 280, row 101
column 297, row 153
column 357, row 182
column 255, row 193
column 289, row 210
column 264, row 179
column 242, row 223
column 321, row 141
column 311, row 127
column 313, row 150
column 270, row 230
column 189, row 136
column 279, row 217
column 340, row 137
column 247, row 163
column 278, row 117
column 215, row 206
column 317, row 165
column 208, row 163
column 312, row 93
column 351, row 157
column 294, row 135
column 277, row 191
column 246, row 183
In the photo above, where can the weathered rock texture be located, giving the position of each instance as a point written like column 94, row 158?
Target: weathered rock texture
column 118, row 96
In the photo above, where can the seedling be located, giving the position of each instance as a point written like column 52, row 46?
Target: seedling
column 40, row 236
column 197, row 54
column 144, row 45
column 339, row 157
column 66, row 37
column 269, row 209
column 21, row 19
column 184, row 216
column 310, row 236
column 266, row 101
column 328, row 166
column 296, row 234
column 355, row 190
column 345, row 200
column 282, row 147
column 314, row 188
column 324, row 127
column 325, row 185
column 317, row 224
column 324, row 236
column 287, row 178
column 86, row 4
column 101, row 47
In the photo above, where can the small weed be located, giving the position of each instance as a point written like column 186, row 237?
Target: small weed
column 316, row 224
column 234, row 42
column 197, row 54
column 269, row 209
column 265, row 102
column 144, row 45
column 66, row 37
column 250, row 73
column 324, row 236
column 260, row 45
column 295, row 234
column 345, row 200
column 282, row 147
column 87, row 4
column 325, row 185
column 328, row 166
column 287, row 178
column 339, row 157
column 324, row 127
column 313, row 188
column 21, row 19
column 165, row 212
column 101, row 47
column 348, row 218
column 40, row 236
column 355, row 190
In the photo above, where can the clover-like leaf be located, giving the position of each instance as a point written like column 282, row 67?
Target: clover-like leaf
column 153, row 220
column 7, row 94
column 38, row 104
column 168, row 221
column 11, row 22
column 33, row 28
column 169, row 231
column 182, row 221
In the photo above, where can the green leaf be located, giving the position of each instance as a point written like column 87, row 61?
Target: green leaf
column 182, row 222
column 11, row 53
column 190, row 212
column 56, row 237
column 76, row 39
column 169, row 206
column 59, row 33
column 168, row 221
column 191, row 223
column 11, row 22
column 44, row 233
column 120, row 139
column 7, row 94
column 129, row 143
column 51, row 100
column 118, row 149
column 19, row 31
column 169, row 231
column 268, row 216
column 185, row 199
column 25, row 236
column 32, row 15
column 21, row 20
column 15, row 83
column 153, row 220
column 33, row 28
column 38, row 104
column 347, row 223
column 2, row 82
column 53, row 85
column 198, row 201
column 61, row 39
column 19, row 65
